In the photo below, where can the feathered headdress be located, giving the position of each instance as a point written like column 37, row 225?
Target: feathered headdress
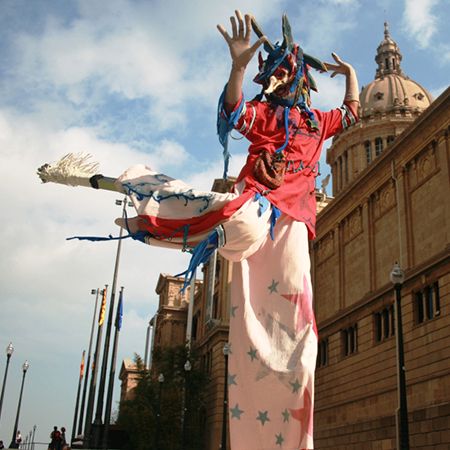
column 291, row 57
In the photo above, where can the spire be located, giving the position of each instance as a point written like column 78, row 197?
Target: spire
column 388, row 56
column 386, row 31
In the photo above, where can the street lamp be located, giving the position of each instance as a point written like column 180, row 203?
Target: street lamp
column 397, row 279
column 13, row 444
column 99, row 429
column 184, row 410
column 9, row 352
column 226, row 352
column 158, row 413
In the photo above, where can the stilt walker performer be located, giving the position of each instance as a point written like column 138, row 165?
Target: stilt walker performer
column 263, row 226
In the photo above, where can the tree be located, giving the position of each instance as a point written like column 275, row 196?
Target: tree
column 153, row 419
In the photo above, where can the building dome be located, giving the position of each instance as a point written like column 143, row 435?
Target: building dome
column 388, row 105
column 392, row 91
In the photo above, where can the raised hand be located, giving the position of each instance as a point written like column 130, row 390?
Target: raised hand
column 340, row 67
column 351, row 82
column 239, row 43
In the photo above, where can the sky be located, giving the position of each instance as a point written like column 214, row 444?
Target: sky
column 136, row 82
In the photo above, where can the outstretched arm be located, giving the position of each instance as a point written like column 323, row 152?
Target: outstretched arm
column 241, row 53
column 351, row 97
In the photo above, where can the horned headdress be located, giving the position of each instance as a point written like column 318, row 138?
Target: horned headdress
column 287, row 56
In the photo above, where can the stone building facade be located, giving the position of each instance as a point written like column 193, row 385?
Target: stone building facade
column 391, row 205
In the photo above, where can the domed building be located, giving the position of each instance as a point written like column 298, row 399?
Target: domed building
column 387, row 106
column 391, row 187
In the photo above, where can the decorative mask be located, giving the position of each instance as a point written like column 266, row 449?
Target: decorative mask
column 285, row 74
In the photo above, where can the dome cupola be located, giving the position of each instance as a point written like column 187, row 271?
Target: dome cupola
column 388, row 105
column 388, row 56
column 392, row 91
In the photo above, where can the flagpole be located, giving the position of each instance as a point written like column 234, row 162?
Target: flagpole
column 93, row 384
column 112, row 372
column 101, row 388
column 88, row 364
column 78, row 395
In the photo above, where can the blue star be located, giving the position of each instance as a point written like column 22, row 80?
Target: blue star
column 295, row 386
column 236, row 412
column 279, row 439
column 285, row 415
column 263, row 417
column 273, row 287
column 252, row 353
column 232, row 379
column 233, row 311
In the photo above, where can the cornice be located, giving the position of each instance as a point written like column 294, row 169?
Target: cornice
column 421, row 131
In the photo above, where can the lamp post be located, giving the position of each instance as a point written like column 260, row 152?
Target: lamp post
column 147, row 340
column 9, row 352
column 98, row 429
column 184, row 410
column 13, row 444
column 226, row 352
column 158, row 413
column 397, row 278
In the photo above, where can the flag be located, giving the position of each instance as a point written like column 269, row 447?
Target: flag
column 119, row 311
column 101, row 317
column 82, row 365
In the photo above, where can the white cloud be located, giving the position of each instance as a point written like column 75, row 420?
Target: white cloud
column 419, row 20
column 324, row 28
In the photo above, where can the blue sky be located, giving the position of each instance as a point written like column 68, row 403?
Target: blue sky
column 136, row 82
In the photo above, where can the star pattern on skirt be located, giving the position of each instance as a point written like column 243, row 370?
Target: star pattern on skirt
column 279, row 439
column 295, row 386
column 303, row 306
column 303, row 415
column 263, row 417
column 252, row 354
column 273, row 287
column 236, row 412
column 232, row 379
column 285, row 415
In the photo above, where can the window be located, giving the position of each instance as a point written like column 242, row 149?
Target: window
column 390, row 139
column 427, row 304
column 195, row 322
column 335, row 178
column 322, row 353
column 215, row 312
column 207, row 361
column 384, row 324
column 346, row 166
column 349, row 338
column 368, row 149
column 378, row 146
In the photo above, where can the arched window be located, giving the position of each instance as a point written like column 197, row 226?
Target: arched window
column 346, row 166
column 335, row 177
column 378, row 146
column 368, row 149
